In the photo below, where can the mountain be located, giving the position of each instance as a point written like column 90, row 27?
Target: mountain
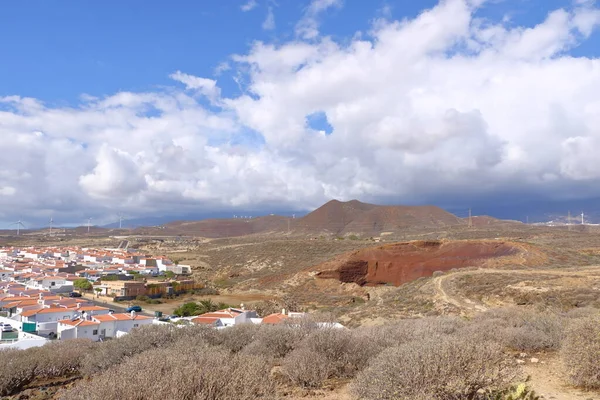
column 219, row 228
column 354, row 217
column 333, row 218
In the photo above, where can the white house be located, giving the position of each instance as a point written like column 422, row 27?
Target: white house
column 111, row 325
column 227, row 317
column 46, row 319
column 78, row 329
column 53, row 284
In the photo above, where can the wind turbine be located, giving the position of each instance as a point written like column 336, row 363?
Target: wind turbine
column 51, row 223
column 19, row 224
column 89, row 223
column 120, row 221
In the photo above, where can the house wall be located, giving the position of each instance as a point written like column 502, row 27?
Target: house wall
column 128, row 325
column 66, row 332
column 88, row 332
column 130, row 288
column 25, row 341
column 53, row 317
column 245, row 317
column 112, row 327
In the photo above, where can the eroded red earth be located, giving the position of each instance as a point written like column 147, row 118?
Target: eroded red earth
column 404, row 262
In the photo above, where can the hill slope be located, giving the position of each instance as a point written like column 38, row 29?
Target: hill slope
column 341, row 218
column 333, row 218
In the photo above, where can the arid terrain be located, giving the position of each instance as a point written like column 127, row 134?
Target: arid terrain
column 369, row 280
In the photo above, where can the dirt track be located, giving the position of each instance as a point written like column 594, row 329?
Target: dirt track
column 444, row 293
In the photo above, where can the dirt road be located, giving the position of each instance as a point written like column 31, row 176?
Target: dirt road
column 445, row 294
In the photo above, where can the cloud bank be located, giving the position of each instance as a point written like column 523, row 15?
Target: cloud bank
column 445, row 105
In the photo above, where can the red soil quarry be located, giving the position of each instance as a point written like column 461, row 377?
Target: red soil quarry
column 404, row 262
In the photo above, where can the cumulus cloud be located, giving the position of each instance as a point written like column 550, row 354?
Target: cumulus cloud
column 444, row 105
column 116, row 175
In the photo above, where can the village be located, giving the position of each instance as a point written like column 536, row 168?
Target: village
column 61, row 293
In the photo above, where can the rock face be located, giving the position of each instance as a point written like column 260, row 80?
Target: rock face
column 404, row 262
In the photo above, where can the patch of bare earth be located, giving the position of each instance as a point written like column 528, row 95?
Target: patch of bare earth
column 548, row 381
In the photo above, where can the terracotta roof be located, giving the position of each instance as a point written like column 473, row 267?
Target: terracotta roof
column 15, row 298
column 205, row 320
column 50, row 310
column 92, row 308
column 119, row 317
column 227, row 313
column 274, row 319
column 78, row 322
column 21, row 303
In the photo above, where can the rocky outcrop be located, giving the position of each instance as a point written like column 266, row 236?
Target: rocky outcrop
column 399, row 263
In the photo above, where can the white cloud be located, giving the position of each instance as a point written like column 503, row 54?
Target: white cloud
column 441, row 105
column 116, row 175
column 269, row 22
column 308, row 26
column 7, row 191
column 249, row 5
column 207, row 87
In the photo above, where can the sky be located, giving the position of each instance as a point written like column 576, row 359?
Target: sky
column 149, row 109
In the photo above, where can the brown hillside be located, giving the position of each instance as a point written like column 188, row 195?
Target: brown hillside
column 220, row 228
column 368, row 219
column 333, row 218
column 404, row 262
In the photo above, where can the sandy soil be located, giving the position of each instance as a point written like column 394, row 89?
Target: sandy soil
column 547, row 381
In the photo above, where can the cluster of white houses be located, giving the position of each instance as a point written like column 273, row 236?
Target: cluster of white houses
column 31, row 264
column 35, row 284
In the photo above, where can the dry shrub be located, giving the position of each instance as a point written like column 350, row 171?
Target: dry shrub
column 236, row 337
column 405, row 331
column 59, row 359
column 521, row 330
column 306, row 368
column 345, row 352
column 580, row 353
column 114, row 351
column 274, row 341
column 182, row 371
column 17, row 369
column 443, row 368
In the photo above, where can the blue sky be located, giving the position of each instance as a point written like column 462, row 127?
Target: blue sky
column 56, row 51
column 208, row 107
